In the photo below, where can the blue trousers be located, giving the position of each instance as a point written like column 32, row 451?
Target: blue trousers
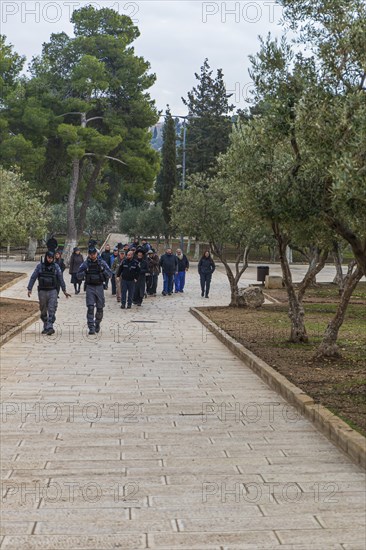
column 179, row 281
column 128, row 289
column 168, row 280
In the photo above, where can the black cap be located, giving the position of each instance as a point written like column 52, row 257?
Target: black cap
column 92, row 250
column 50, row 254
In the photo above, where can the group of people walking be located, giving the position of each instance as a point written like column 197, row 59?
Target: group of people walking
column 132, row 269
column 136, row 268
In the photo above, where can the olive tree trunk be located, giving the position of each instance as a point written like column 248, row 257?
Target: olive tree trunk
column 337, row 257
column 296, row 312
column 315, row 266
column 233, row 277
column 328, row 346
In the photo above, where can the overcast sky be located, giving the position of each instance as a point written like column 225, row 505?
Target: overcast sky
column 176, row 36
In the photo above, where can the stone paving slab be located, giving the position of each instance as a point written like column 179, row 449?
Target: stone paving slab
column 147, row 437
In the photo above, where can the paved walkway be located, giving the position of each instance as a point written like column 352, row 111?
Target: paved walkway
column 153, row 435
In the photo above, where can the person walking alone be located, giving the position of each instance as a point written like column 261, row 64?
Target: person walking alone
column 76, row 260
column 183, row 266
column 206, row 266
column 169, row 265
column 49, row 276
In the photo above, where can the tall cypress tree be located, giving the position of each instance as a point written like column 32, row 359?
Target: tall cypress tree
column 209, row 127
column 167, row 179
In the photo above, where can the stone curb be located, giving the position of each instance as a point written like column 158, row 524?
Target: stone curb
column 340, row 433
column 15, row 330
column 13, row 281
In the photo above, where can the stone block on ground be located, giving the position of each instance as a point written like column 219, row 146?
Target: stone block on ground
column 273, row 281
column 251, row 297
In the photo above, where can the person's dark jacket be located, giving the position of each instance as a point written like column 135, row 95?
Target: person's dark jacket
column 144, row 268
column 75, row 262
column 206, row 266
column 51, row 267
column 104, row 268
column 61, row 264
column 169, row 263
column 183, row 264
column 129, row 270
column 153, row 263
column 106, row 256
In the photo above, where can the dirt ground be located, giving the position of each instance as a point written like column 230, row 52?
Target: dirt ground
column 13, row 312
column 6, row 276
column 322, row 293
column 338, row 384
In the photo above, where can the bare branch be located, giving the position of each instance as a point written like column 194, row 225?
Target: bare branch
column 94, row 118
column 71, row 113
column 106, row 157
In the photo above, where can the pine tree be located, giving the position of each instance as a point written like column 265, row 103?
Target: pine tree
column 209, row 127
column 167, row 178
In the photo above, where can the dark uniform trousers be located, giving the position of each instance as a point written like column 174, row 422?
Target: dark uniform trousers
column 48, row 307
column 94, row 298
column 128, row 288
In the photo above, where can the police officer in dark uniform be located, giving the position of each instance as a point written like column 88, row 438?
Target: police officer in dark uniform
column 97, row 274
column 50, row 280
column 140, row 286
column 129, row 272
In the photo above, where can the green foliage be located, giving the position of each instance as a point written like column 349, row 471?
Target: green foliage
column 96, row 218
column 24, row 212
column 146, row 220
column 209, row 128
column 208, row 209
column 11, row 65
column 96, row 72
column 167, row 178
column 332, row 111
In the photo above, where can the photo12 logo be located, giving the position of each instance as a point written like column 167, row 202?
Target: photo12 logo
column 240, row 12
column 52, row 412
column 53, row 12
column 267, row 492
column 68, row 491
column 70, row 331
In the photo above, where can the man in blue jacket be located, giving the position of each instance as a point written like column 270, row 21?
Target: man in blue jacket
column 169, row 267
column 97, row 274
column 50, row 280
